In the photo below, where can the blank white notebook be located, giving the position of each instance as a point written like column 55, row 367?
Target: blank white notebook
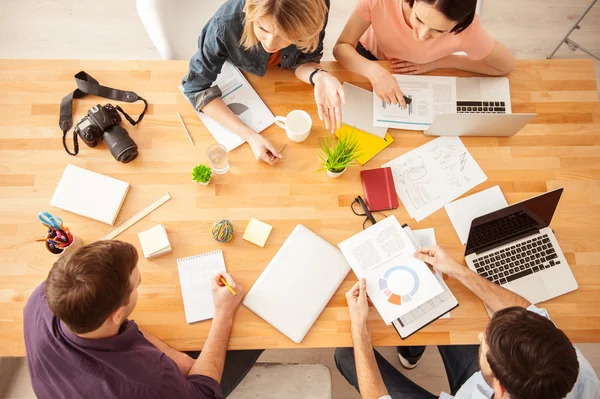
column 90, row 194
column 195, row 274
column 155, row 241
column 297, row 284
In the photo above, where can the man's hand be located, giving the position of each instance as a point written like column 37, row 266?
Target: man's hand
column 385, row 86
column 358, row 304
column 410, row 68
column 440, row 260
column 329, row 96
column 226, row 304
column 263, row 149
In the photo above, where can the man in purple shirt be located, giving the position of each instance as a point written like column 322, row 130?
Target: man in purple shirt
column 80, row 343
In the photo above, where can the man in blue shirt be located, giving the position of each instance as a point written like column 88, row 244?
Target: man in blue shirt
column 523, row 355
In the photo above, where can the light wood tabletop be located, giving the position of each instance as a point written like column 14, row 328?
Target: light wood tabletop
column 560, row 148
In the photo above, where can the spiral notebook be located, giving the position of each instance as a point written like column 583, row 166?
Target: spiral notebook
column 195, row 273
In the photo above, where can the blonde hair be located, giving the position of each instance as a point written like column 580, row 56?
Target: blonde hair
column 297, row 21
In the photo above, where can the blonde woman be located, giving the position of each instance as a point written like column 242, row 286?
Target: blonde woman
column 255, row 34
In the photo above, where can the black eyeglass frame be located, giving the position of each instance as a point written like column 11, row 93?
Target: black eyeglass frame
column 367, row 212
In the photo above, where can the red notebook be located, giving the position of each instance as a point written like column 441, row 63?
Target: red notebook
column 379, row 188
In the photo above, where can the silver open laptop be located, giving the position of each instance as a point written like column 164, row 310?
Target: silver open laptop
column 516, row 248
column 483, row 108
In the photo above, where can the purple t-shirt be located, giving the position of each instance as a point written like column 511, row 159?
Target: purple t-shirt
column 63, row 365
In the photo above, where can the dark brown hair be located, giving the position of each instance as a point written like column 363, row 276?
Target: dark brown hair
column 84, row 288
column 461, row 11
column 530, row 356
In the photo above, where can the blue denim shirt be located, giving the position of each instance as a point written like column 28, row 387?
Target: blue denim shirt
column 220, row 41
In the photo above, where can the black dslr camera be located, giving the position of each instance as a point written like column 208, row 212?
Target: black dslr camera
column 102, row 122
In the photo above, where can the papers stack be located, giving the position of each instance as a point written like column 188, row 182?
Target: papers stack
column 397, row 282
column 155, row 242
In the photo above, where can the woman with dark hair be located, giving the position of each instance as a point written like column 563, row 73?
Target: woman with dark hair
column 418, row 36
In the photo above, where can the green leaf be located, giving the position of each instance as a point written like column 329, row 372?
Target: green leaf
column 201, row 173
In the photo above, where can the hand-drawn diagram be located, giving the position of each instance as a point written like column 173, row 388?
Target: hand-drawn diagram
column 434, row 174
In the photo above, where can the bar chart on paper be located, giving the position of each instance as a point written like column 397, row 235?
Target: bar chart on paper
column 398, row 109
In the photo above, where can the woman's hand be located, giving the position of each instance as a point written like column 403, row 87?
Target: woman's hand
column 410, row 68
column 263, row 149
column 329, row 96
column 385, row 86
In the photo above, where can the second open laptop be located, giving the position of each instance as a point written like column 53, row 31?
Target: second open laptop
column 516, row 248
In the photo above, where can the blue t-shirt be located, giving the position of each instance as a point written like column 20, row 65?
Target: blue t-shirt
column 64, row 365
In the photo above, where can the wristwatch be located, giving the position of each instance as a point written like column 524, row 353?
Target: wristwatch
column 313, row 73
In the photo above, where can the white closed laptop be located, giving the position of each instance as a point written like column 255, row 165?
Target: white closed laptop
column 478, row 124
column 298, row 283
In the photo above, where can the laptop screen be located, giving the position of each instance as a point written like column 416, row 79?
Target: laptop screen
column 513, row 222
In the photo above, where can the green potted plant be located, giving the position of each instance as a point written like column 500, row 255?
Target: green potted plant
column 202, row 174
column 336, row 156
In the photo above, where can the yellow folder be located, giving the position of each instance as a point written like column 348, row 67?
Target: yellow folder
column 369, row 145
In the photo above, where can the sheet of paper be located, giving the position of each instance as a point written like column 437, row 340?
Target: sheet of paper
column 195, row 274
column 429, row 177
column 257, row 232
column 358, row 113
column 241, row 98
column 426, row 238
column 430, row 95
column 396, row 281
column 462, row 212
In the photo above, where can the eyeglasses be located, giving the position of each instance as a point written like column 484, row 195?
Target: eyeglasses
column 360, row 209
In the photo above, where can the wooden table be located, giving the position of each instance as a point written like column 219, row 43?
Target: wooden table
column 560, row 148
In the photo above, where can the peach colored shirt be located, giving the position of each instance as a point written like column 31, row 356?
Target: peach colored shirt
column 389, row 37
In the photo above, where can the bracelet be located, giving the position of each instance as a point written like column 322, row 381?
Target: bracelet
column 313, row 73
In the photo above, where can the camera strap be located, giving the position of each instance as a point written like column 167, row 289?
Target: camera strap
column 86, row 84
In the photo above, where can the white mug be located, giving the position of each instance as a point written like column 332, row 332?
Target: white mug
column 297, row 125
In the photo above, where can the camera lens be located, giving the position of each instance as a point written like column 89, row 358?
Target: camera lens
column 121, row 146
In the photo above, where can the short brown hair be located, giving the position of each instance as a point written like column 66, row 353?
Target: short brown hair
column 530, row 356
column 84, row 288
column 297, row 21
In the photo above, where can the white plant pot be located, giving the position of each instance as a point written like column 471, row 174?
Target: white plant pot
column 205, row 184
column 334, row 175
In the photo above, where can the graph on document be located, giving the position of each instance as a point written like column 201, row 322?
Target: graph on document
column 397, row 109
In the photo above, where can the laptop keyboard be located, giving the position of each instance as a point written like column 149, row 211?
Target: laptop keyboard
column 518, row 261
column 481, row 107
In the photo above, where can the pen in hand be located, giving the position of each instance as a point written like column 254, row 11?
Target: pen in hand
column 279, row 151
column 228, row 286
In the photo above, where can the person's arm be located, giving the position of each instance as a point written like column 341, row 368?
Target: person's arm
column 212, row 358
column 493, row 295
column 370, row 381
column 384, row 84
column 500, row 62
column 183, row 361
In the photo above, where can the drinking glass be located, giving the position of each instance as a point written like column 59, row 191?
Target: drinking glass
column 217, row 154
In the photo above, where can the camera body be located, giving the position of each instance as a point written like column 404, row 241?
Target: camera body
column 103, row 122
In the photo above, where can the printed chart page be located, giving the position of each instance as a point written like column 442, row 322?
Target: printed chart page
column 430, row 95
column 396, row 281
column 240, row 97
column 430, row 176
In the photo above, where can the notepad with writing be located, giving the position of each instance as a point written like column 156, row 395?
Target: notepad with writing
column 195, row 274
column 90, row 194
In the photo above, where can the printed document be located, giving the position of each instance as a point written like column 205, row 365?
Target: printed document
column 430, row 96
column 396, row 281
column 240, row 97
column 430, row 176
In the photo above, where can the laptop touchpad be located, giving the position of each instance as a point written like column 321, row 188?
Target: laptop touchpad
column 529, row 287
column 468, row 89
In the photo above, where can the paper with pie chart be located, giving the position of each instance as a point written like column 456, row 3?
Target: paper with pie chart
column 397, row 282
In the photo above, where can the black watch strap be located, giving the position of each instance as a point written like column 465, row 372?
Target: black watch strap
column 313, row 73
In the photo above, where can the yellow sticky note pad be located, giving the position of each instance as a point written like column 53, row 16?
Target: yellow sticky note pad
column 257, row 232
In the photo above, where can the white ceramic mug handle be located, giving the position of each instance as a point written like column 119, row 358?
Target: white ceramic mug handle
column 280, row 121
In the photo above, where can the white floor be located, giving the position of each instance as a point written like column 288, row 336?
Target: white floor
column 110, row 29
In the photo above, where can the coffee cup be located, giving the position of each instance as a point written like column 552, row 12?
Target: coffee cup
column 297, row 125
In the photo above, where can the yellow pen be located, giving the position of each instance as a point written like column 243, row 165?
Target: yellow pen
column 228, row 286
